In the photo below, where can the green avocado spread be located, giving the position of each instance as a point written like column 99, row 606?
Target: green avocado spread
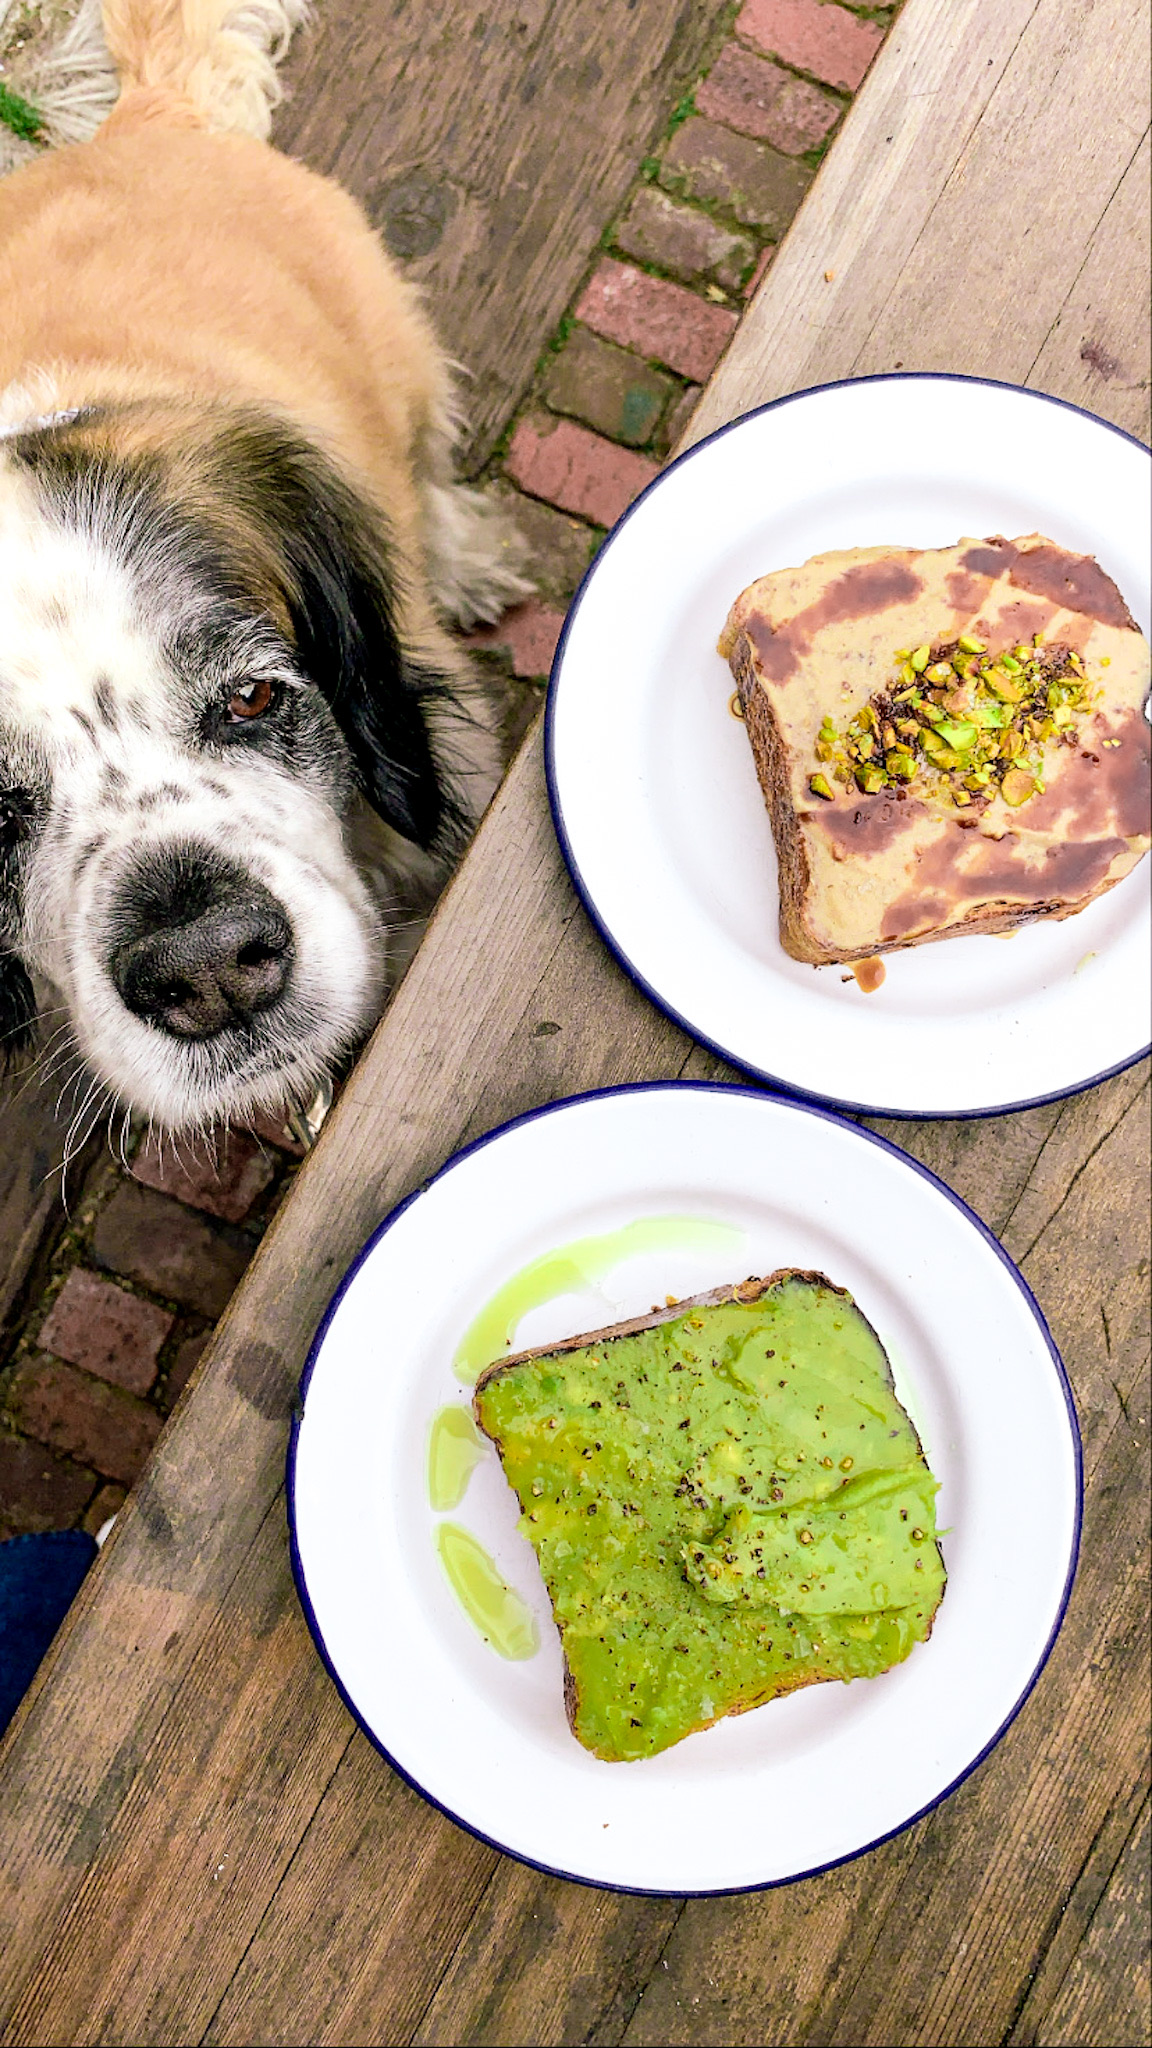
column 726, row 1504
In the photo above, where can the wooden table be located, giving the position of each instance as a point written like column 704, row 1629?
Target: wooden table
column 198, row 1845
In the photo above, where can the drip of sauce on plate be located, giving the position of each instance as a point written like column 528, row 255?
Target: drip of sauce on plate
column 454, row 1448
column 573, row 1267
column 493, row 1607
column 868, row 974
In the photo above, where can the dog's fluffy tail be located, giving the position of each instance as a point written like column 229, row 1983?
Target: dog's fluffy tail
column 220, row 55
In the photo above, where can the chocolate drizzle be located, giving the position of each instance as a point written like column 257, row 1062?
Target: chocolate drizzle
column 1074, row 583
column 1103, row 787
column 867, row 588
column 988, row 871
column 867, row 824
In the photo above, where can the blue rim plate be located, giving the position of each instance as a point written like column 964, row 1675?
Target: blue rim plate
column 654, row 793
column 802, row 1783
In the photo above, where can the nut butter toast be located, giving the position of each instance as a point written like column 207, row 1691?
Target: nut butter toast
column 948, row 741
column 727, row 1502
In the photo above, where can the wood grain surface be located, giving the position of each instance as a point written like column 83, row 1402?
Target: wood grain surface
column 197, row 1844
column 985, row 209
column 31, row 1177
column 490, row 143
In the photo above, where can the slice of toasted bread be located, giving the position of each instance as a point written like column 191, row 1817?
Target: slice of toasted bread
column 948, row 741
column 727, row 1502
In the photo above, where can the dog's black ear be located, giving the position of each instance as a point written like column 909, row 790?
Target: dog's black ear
column 17, row 1008
column 341, row 594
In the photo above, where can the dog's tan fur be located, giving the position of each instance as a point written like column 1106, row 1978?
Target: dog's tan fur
column 184, row 311
column 166, row 261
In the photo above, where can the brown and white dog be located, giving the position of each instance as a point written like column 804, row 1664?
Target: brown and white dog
column 229, row 546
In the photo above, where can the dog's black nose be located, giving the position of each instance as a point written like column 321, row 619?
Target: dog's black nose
column 211, row 951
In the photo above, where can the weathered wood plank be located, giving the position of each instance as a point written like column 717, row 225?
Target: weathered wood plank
column 953, row 242
column 548, row 1962
column 1077, row 88
column 1096, row 353
column 251, row 1669
column 1087, row 1899
column 1105, row 2001
column 380, row 1892
column 490, row 144
column 935, row 1937
column 30, row 1175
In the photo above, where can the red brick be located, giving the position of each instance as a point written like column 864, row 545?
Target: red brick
column 680, row 415
column 580, row 472
column 108, row 1502
column 766, row 256
column 814, row 35
column 225, row 1180
column 38, row 1491
column 656, row 318
column 757, row 184
column 801, row 119
column 657, row 229
column 529, row 633
column 559, row 548
column 108, row 1332
column 607, row 388
column 741, row 90
column 93, row 1422
column 187, row 1358
column 748, row 93
column 150, row 1238
column 275, row 1130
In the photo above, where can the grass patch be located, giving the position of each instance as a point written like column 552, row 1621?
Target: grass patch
column 20, row 115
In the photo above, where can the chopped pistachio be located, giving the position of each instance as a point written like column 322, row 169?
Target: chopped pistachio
column 960, row 736
column 820, row 786
column 920, row 658
column 1005, row 686
column 1017, row 787
column 971, row 646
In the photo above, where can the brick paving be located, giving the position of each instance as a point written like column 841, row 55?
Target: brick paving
column 122, row 1303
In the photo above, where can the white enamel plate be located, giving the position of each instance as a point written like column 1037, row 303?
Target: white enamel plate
column 655, row 794
column 802, row 1782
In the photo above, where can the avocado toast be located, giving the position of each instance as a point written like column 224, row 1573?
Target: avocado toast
column 727, row 1502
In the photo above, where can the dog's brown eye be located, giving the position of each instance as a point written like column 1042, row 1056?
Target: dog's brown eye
column 252, row 701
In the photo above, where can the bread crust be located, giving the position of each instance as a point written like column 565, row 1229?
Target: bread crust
column 796, row 935
column 749, row 1291
column 852, row 886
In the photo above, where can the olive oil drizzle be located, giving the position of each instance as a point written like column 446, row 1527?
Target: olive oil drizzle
column 575, row 1266
column 455, row 1445
column 454, row 1449
column 491, row 1604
